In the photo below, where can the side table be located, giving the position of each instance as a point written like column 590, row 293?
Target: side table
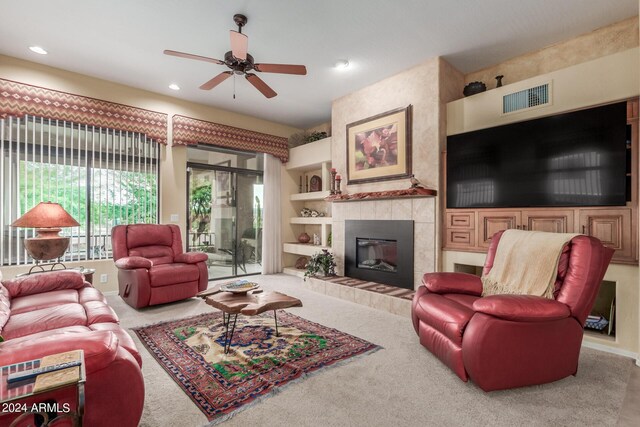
column 47, row 398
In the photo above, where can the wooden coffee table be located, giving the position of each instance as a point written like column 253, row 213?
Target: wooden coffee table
column 250, row 304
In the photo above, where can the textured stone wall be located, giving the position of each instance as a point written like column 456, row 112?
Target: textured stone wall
column 427, row 87
column 604, row 41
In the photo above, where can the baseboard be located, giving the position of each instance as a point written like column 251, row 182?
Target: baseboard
column 613, row 350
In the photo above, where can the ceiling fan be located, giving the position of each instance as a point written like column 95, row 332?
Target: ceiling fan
column 241, row 63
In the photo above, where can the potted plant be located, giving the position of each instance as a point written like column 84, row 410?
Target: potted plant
column 321, row 263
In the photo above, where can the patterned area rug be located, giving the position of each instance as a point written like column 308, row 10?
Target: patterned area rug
column 258, row 364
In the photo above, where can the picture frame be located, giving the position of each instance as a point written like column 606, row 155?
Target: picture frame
column 379, row 147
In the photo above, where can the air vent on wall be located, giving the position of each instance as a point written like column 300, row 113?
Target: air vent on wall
column 527, row 98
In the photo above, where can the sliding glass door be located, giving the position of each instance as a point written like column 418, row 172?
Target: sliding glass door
column 225, row 218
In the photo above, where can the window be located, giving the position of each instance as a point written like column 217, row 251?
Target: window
column 102, row 177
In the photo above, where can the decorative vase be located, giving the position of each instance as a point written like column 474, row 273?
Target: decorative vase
column 499, row 80
column 473, row 88
column 301, row 263
column 304, row 238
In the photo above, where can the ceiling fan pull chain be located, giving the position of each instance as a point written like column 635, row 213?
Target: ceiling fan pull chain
column 234, row 86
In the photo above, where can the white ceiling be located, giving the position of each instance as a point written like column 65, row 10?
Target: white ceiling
column 122, row 41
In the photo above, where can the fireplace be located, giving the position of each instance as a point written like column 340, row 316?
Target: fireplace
column 377, row 254
column 380, row 251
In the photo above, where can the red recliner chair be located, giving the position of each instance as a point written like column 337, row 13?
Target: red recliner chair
column 507, row 341
column 152, row 268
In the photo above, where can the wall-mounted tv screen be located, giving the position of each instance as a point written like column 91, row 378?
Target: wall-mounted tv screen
column 571, row 159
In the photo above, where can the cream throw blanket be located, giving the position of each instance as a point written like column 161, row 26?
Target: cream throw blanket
column 526, row 263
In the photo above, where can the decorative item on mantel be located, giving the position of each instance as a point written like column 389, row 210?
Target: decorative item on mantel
column 414, row 182
column 338, row 180
column 499, row 80
column 473, row 88
column 332, row 190
column 304, row 238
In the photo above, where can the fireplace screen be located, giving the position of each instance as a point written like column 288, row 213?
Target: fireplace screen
column 377, row 254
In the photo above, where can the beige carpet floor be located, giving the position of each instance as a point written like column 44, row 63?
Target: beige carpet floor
column 400, row 385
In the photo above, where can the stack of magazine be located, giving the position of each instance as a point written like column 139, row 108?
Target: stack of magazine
column 596, row 322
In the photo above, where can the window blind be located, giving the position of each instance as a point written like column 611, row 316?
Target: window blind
column 102, row 177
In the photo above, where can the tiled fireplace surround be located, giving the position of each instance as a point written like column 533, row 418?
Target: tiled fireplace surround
column 421, row 210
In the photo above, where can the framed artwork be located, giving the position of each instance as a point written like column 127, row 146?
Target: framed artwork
column 379, row 147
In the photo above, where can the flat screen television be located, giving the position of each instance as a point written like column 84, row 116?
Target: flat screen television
column 571, row 159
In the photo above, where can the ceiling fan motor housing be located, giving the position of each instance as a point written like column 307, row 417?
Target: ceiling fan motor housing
column 236, row 65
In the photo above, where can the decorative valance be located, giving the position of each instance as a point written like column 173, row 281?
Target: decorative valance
column 187, row 130
column 19, row 99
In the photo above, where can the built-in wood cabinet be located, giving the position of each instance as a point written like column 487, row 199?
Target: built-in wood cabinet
column 617, row 227
column 490, row 222
column 471, row 229
column 460, row 229
column 556, row 221
column 613, row 227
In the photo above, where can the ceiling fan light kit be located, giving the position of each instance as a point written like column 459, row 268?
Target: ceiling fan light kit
column 240, row 62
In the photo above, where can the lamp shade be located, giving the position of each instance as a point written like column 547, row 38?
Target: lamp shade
column 46, row 215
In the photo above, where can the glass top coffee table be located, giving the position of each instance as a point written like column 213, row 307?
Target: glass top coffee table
column 251, row 303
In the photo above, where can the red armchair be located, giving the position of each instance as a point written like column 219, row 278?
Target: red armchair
column 55, row 312
column 152, row 268
column 507, row 341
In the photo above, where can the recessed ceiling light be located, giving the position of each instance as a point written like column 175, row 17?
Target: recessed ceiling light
column 38, row 50
column 342, row 64
column 174, row 86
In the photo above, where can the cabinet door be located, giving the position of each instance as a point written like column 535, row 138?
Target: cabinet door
column 553, row 221
column 491, row 222
column 612, row 227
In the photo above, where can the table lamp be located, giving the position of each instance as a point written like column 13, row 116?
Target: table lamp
column 47, row 218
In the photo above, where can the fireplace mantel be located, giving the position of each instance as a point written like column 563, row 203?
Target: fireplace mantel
column 409, row 193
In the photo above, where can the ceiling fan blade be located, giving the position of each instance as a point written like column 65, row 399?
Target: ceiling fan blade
column 239, row 45
column 216, row 80
column 191, row 56
column 259, row 84
column 281, row 68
